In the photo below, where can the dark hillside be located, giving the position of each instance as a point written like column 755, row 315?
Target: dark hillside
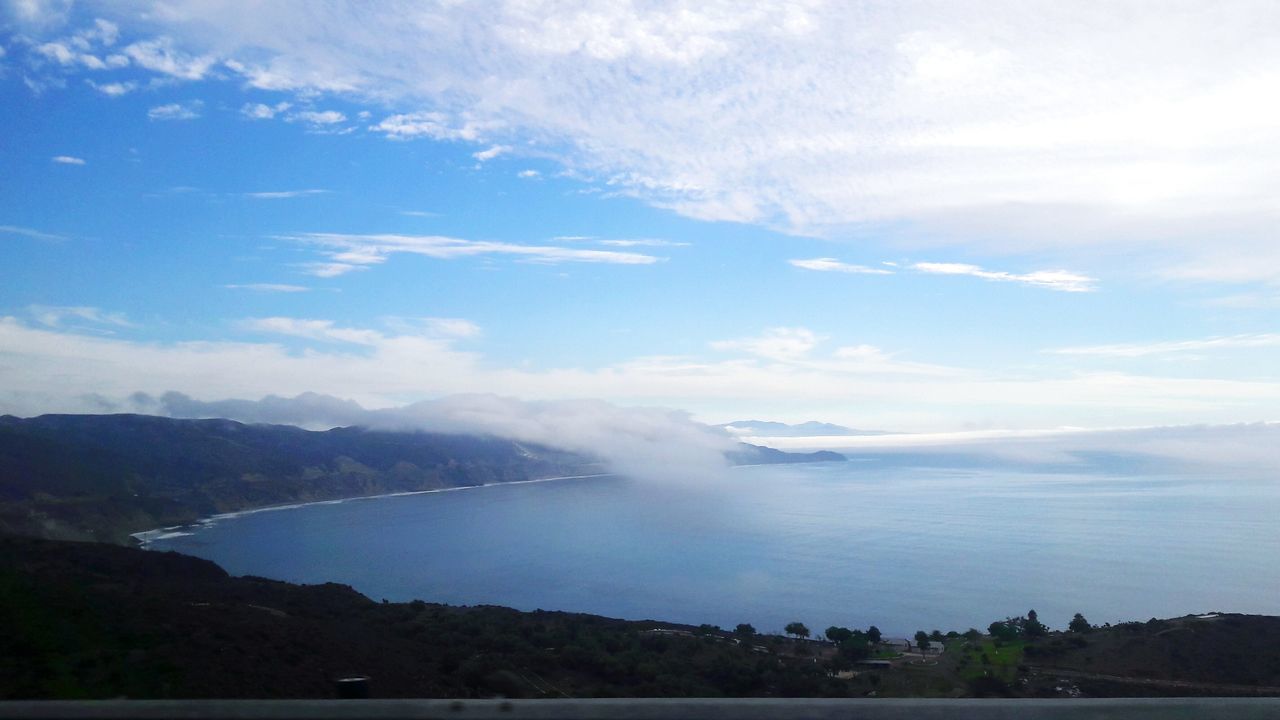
column 89, row 620
column 101, row 477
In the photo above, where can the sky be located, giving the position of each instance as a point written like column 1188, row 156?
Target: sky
column 915, row 216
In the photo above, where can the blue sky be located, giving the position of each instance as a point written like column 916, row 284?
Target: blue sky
column 887, row 216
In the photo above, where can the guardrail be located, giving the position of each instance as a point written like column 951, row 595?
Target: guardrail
column 650, row 709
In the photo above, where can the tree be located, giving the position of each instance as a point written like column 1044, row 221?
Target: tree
column 873, row 635
column 1006, row 629
column 798, row 629
column 922, row 640
column 972, row 634
column 745, row 631
column 936, row 635
column 1032, row 627
column 1079, row 625
column 838, row 634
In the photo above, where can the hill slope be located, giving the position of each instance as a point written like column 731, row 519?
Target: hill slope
column 101, row 477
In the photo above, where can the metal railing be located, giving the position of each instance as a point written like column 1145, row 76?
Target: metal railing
column 650, row 709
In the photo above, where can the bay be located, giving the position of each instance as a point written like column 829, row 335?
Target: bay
column 851, row 544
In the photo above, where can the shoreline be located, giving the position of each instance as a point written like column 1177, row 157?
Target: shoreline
column 145, row 538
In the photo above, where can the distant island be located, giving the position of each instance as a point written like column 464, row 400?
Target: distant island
column 106, row 477
column 764, row 428
column 90, row 620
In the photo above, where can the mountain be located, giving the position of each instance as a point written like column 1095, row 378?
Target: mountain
column 764, row 428
column 748, row 454
column 104, row 477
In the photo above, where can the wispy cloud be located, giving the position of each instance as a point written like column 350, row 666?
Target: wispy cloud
column 419, row 213
column 67, row 160
column 491, row 153
column 346, row 253
column 1061, row 280
column 114, row 89
column 643, row 242
column 160, row 55
column 781, row 343
column 833, row 265
column 433, row 125
column 284, row 194
column 815, row 117
column 176, row 111
column 1133, row 350
column 529, row 174
column 269, row 287
column 260, row 111
column 325, row 330
column 28, row 232
column 55, row 316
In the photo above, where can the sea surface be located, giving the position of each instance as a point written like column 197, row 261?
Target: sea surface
column 850, row 544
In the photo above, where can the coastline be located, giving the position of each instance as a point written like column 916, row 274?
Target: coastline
column 144, row 538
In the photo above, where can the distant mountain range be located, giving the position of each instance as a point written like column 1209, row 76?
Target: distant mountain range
column 764, row 428
column 103, row 477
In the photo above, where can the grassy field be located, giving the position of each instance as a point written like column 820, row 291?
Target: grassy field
column 989, row 657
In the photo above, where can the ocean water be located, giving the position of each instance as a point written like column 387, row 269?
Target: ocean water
column 852, row 544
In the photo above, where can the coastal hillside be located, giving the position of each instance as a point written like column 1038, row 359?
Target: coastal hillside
column 89, row 620
column 103, row 477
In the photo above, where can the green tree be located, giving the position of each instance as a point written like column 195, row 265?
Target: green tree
column 798, row 629
column 922, row 640
column 873, row 635
column 972, row 634
column 936, row 636
column 838, row 634
column 1033, row 627
column 1079, row 625
column 745, row 630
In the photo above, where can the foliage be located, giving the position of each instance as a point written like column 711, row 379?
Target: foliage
column 1079, row 625
column 797, row 629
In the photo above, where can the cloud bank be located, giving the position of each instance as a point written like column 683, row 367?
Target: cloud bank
column 647, row 443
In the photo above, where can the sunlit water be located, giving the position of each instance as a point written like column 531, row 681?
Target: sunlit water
column 832, row 543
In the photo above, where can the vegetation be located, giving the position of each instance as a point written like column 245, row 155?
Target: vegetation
column 90, row 620
column 797, row 629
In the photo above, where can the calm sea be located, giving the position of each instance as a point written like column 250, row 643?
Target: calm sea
column 852, row 544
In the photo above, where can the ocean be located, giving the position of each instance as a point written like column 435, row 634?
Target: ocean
column 851, row 544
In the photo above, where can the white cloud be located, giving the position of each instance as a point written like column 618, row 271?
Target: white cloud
column 434, row 125
column 1134, row 350
column 780, row 343
column 28, row 232
column 491, row 153
column 56, row 316
column 528, row 174
column 269, row 287
column 114, row 89
column 643, row 242
column 284, row 194
column 1011, row 126
column 419, row 213
column 260, row 111
column 176, row 111
column 318, row 117
column 67, row 160
column 350, row 252
column 1061, row 280
column 313, row 330
column 833, row 265
column 159, row 55
column 51, row 369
